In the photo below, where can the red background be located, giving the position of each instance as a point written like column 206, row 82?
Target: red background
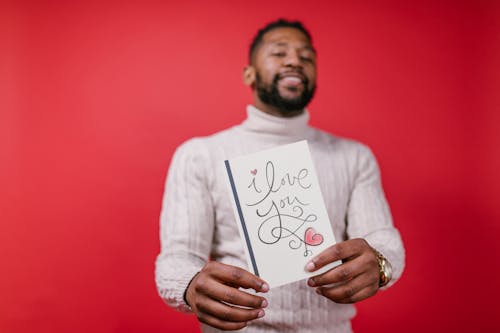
column 95, row 96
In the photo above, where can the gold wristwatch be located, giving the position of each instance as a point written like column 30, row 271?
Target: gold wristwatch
column 384, row 268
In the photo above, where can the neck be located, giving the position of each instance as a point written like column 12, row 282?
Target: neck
column 274, row 111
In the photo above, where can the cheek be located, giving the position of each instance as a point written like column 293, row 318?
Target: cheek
column 311, row 74
column 268, row 68
column 266, row 76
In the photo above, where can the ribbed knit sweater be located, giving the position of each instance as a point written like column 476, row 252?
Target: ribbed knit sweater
column 197, row 223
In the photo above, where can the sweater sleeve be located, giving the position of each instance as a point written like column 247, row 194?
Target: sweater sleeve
column 186, row 224
column 368, row 214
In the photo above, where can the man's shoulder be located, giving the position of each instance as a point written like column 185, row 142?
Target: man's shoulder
column 340, row 143
column 205, row 145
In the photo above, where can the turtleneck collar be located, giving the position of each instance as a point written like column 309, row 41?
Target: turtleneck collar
column 261, row 122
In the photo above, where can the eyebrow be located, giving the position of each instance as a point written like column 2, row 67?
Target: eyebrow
column 305, row 47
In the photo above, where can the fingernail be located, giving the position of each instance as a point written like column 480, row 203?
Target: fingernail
column 264, row 288
column 318, row 291
column 310, row 266
column 263, row 304
column 261, row 314
column 311, row 283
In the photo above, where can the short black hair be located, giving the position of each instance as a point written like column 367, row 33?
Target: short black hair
column 279, row 23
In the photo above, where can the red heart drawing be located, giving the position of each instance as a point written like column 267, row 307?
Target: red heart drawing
column 312, row 238
column 253, row 172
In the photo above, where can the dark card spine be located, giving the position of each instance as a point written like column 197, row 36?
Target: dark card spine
column 242, row 219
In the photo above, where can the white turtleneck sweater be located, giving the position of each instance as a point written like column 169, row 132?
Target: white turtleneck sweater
column 197, row 220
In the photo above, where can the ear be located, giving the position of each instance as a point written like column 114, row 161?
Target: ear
column 249, row 75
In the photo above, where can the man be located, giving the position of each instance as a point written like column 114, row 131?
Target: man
column 197, row 221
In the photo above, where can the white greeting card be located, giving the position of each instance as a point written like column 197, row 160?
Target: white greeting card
column 280, row 212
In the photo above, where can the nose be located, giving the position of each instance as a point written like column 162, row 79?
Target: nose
column 292, row 59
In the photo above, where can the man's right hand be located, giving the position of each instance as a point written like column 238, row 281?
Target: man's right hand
column 216, row 299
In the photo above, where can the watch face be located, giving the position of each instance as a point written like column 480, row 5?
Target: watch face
column 385, row 269
column 385, row 272
column 388, row 269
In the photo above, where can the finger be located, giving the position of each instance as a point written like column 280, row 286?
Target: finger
column 361, row 295
column 349, row 292
column 341, row 273
column 221, row 292
column 220, row 324
column 227, row 312
column 237, row 276
column 340, row 251
column 364, row 264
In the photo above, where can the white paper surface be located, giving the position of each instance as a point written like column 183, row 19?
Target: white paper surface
column 280, row 212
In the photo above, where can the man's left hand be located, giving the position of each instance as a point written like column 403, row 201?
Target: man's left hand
column 356, row 279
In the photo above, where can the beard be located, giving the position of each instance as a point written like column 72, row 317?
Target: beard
column 270, row 95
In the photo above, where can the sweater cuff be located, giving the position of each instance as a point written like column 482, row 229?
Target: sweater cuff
column 171, row 287
column 181, row 289
column 391, row 247
column 396, row 262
